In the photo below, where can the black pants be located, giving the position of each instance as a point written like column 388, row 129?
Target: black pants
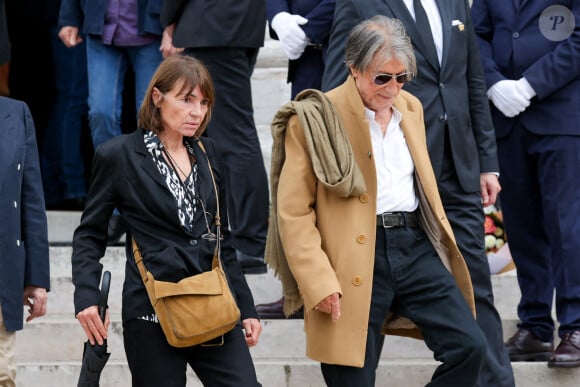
column 153, row 362
column 410, row 280
column 465, row 213
column 234, row 131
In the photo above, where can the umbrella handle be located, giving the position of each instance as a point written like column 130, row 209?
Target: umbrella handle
column 103, row 299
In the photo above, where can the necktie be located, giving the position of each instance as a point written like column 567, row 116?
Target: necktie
column 425, row 33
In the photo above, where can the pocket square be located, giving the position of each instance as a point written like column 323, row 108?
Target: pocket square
column 458, row 23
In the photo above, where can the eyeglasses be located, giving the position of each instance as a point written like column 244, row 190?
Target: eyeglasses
column 385, row 78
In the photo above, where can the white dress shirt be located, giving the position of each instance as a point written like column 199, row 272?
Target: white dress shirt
column 394, row 166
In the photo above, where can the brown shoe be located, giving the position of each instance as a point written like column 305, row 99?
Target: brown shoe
column 275, row 310
column 524, row 346
column 567, row 354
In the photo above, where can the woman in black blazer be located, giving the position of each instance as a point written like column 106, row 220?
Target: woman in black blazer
column 159, row 179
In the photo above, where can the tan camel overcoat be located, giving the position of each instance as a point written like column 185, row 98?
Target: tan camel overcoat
column 329, row 241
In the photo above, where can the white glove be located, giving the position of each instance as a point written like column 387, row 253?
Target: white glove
column 290, row 34
column 510, row 97
column 525, row 88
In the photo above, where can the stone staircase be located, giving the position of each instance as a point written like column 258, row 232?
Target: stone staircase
column 49, row 349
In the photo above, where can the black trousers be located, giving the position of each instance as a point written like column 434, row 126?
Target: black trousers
column 234, row 131
column 410, row 280
column 154, row 363
column 465, row 213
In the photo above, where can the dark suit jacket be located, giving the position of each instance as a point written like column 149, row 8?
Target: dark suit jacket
column 23, row 230
column 125, row 177
column 454, row 94
column 4, row 41
column 211, row 23
column 512, row 45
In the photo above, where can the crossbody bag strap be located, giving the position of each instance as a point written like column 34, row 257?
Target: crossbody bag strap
column 139, row 260
column 217, row 219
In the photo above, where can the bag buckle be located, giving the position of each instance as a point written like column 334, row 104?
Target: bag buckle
column 212, row 343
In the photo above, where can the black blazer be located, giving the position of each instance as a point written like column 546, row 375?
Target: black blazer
column 453, row 93
column 212, row 23
column 125, row 176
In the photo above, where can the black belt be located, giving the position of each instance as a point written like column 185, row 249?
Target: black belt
column 397, row 219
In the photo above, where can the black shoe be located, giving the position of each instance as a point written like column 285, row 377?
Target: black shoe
column 524, row 346
column 567, row 354
column 251, row 264
column 115, row 230
column 275, row 310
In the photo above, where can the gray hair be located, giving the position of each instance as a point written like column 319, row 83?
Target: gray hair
column 382, row 37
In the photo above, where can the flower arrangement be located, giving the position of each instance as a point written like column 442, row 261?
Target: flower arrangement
column 495, row 236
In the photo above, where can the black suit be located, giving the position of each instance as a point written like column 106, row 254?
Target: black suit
column 460, row 139
column 227, row 39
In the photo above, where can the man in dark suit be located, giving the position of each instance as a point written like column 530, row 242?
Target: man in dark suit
column 227, row 40
column 530, row 58
column 460, row 137
column 25, row 276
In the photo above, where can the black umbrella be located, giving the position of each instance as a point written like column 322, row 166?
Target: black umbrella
column 95, row 356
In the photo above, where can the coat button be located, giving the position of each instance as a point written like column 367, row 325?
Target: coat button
column 193, row 242
column 357, row 280
column 18, row 243
column 361, row 239
column 15, row 205
column 18, row 167
column 364, row 197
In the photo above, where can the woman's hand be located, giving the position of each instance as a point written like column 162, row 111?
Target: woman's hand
column 253, row 328
column 91, row 323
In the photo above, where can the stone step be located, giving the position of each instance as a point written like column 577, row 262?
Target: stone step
column 265, row 287
column 279, row 339
column 292, row 373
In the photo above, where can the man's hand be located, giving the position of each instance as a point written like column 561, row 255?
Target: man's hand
column 70, row 36
column 35, row 298
column 290, row 34
column 511, row 97
column 490, row 187
column 330, row 305
column 167, row 48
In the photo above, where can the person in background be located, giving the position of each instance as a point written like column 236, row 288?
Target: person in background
column 61, row 157
column 460, row 135
column 24, row 259
column 359, row 223
column 159, row 178
column 227, row 40
column 4, row 52
column 119, row 34
column 530, row 52
column 302, row 27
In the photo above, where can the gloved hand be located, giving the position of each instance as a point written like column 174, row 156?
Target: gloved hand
column 290, row 34
column 510, row 97
column 525, row 88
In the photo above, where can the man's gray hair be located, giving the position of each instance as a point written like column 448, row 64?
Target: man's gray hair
column 382, row 37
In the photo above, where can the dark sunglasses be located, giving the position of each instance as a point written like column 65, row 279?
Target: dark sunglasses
column 385, row 78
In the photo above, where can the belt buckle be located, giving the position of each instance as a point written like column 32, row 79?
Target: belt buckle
column 383, row 215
